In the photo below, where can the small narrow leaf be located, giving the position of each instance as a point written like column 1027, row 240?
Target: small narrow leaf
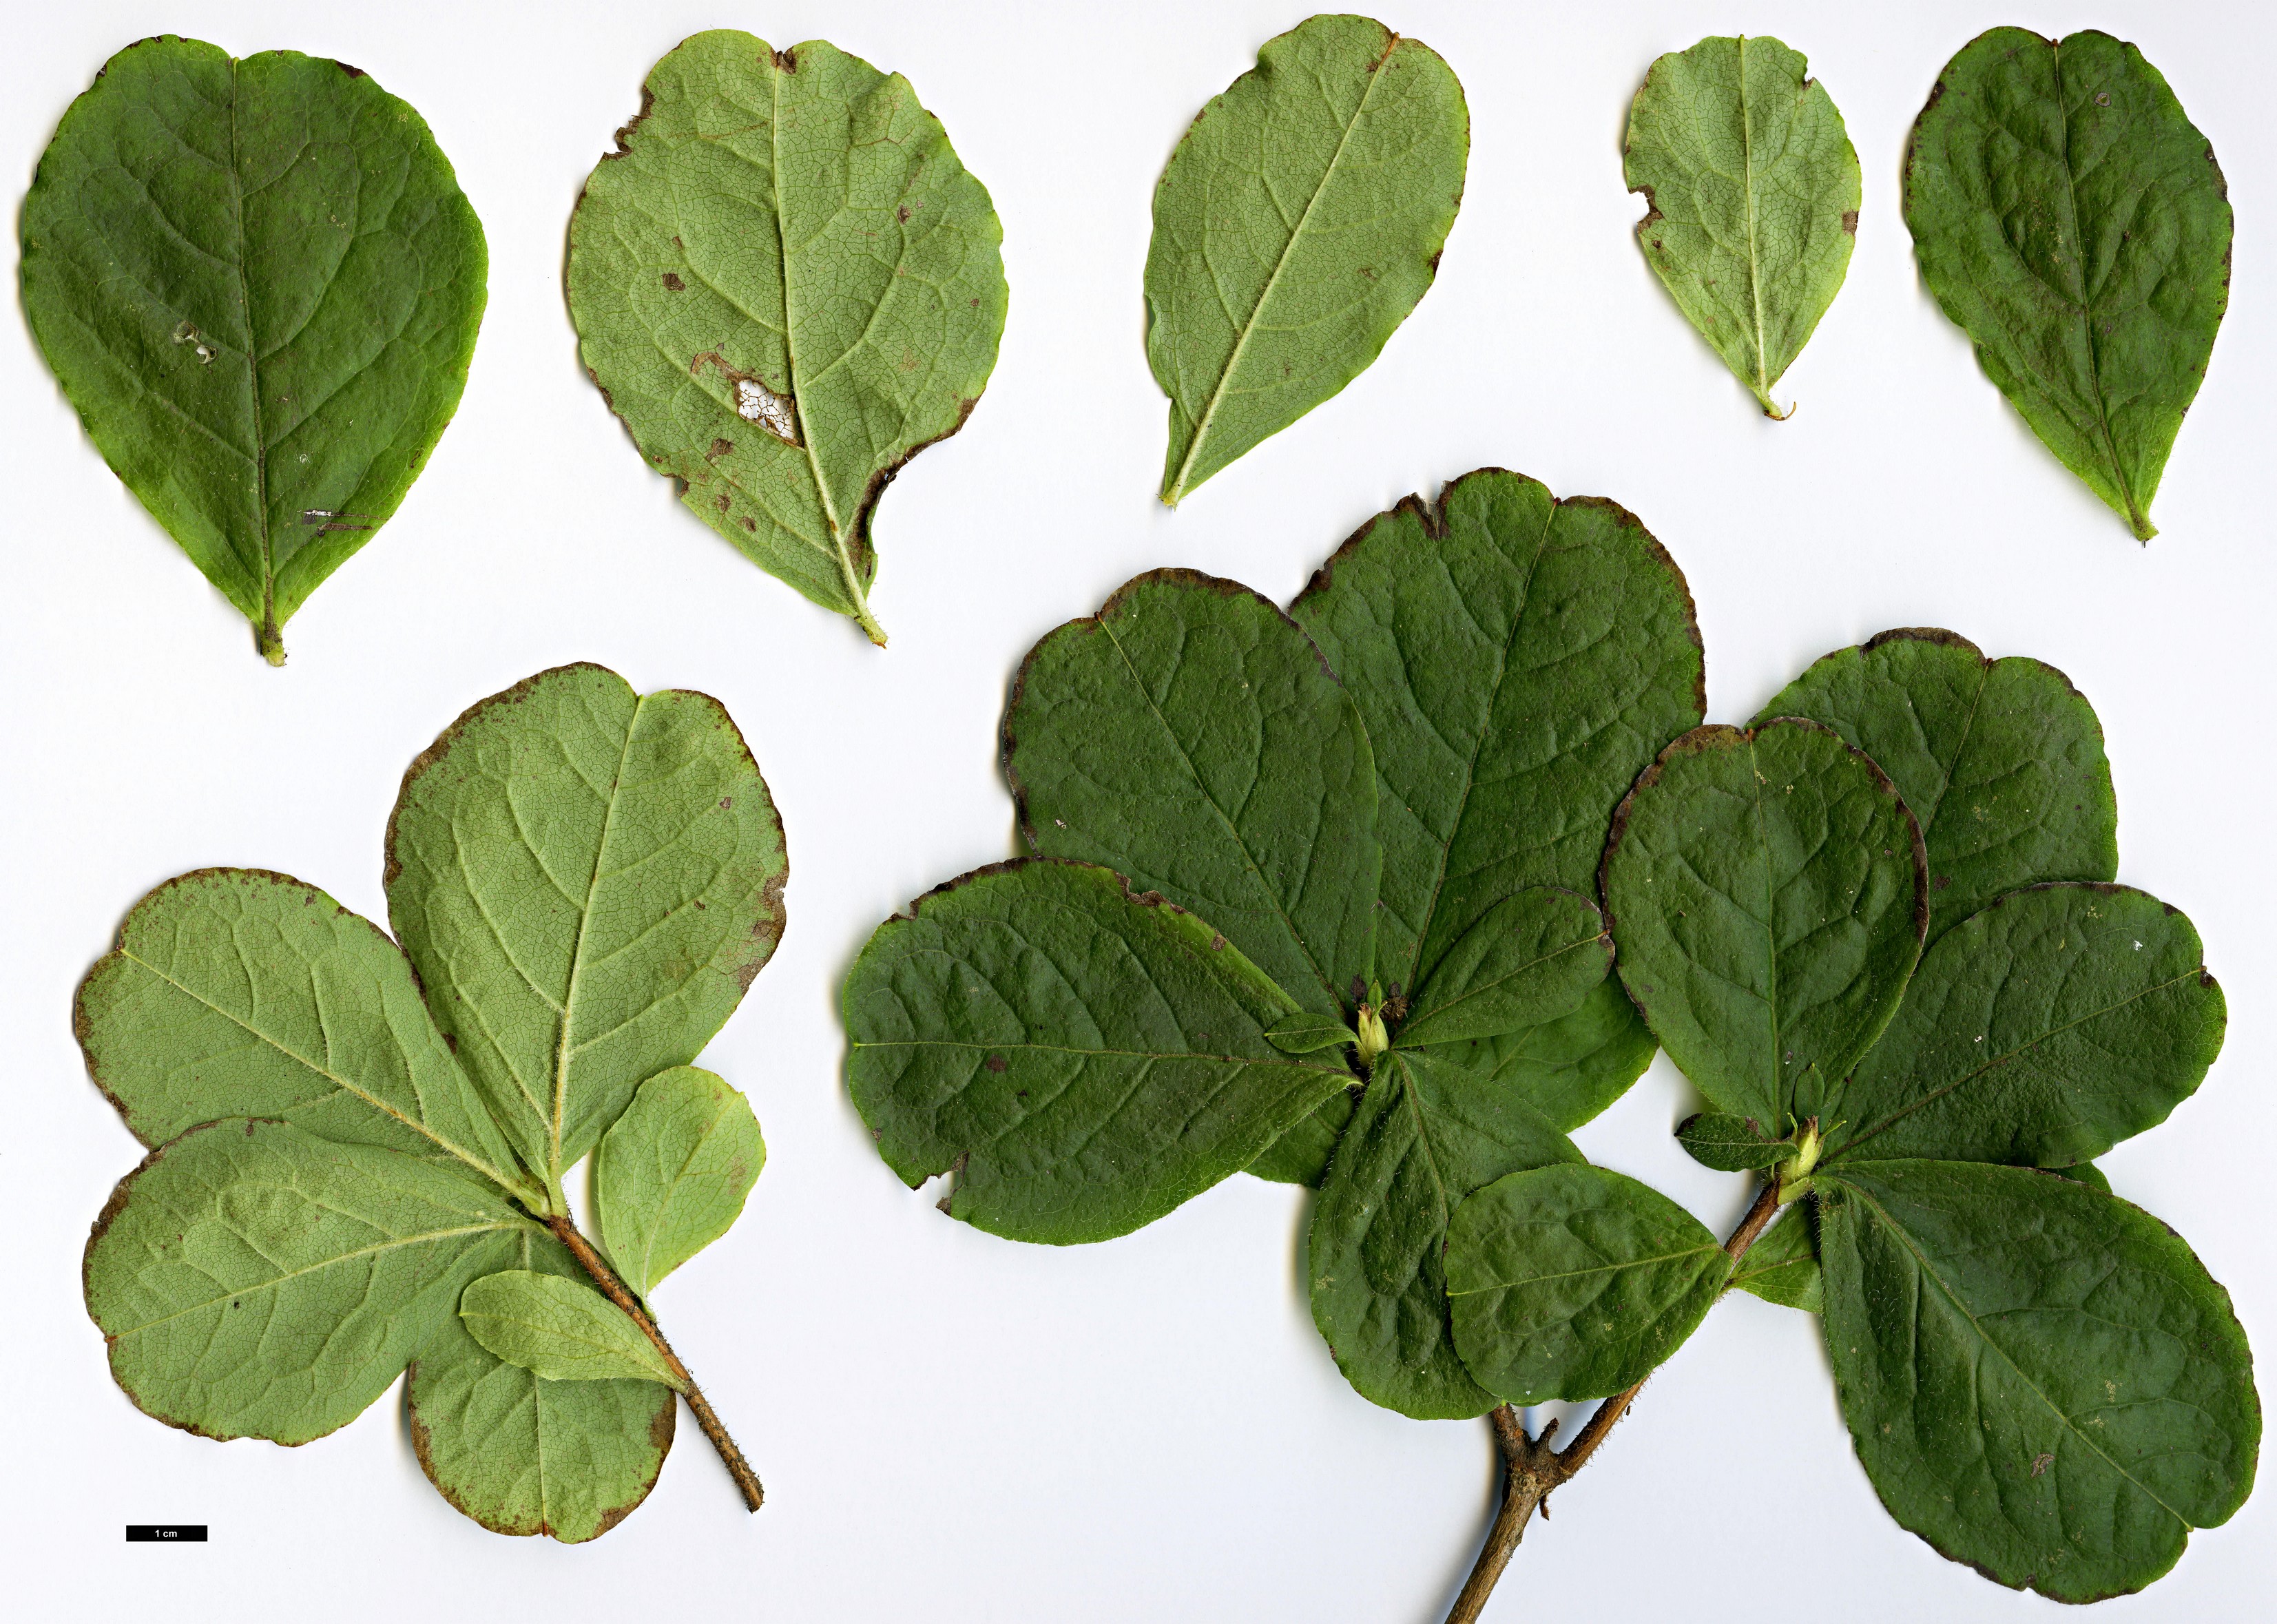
column 2000, row 761
column 1190, row 737
column 672, row 1175
column 559, row 1330
column 1731, row 1144
column 1083, row 1059
column 787, row 284
column 1575, row 1282
column 1766, row 891
column 2073, row 221
column 1528, row 961
column 1307, row 1034
column 259, row 284
column 1423, row 1136
column 2054, row 1024
column 1753, row 189
column 1298, row 222
column 1782, row 1267
column 255, row 1281
column 2041, row 1380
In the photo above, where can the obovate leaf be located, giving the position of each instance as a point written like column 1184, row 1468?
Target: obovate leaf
column 2073, row 221
column 1731, row 1144
column 2000, row 761
column 787, row 284
column 1753, row 189
column 1528, row 960
column 1424, row 1135
column 1782, row 1267
column 255, row 1281
column 1304, row 1035
column 1190, row 737
column 586, row 880
column 671, row 1176
column 1767, row 892
column 2051, row 1025
column 1085, row 1060
column 522, row 1455
column 559, row 1330
column 1570, row 1069
column 259, row 284
column 2041, row 1380
column 1298, row 222
column 1575, row 1282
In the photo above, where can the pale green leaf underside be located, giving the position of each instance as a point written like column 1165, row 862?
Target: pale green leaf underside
column 561, row 1331
column 1298, row 223
column 1755, row 193
column 672, row 1175
column 786, row 285
column 2073, row 222
column 586, row 880
column 253, row 1280
column 259, row 284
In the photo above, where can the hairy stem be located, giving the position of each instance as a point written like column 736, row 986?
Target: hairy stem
column 1531, row 1468
column 706, row 1417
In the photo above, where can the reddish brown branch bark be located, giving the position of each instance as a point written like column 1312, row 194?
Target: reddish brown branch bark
column 706, row 1417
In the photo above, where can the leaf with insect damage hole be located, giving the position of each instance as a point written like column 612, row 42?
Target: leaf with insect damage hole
column 2073, row 222
column 259, row 284
column 1298, row 222
column 2041, row 1380
column 1425, row 1134
column 1753, row 189
column 2000, row 761
column 559, row 1330
column 1083, row 1059
column 787, row 285
column 1575, row 1282
column 1767, row 894
column 672, row 1175
column 586, row 880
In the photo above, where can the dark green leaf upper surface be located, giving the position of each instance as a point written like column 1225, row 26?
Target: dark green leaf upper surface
column 2051, row 1025
column 1767, row 896
column 1424, row 1135
column 1188, row 736
column 1528, row 961
column 2041, row 1380
column 1085, row 1059
column 2073, row 221
column 1298, row 223
column 1731, row 1144
column 259, row 284
column 2000, row 761
column 787, row 284
column 253, row 1280
column 1755, row 192
column 672, row 1175
column 1575, row 1282
column 1568, row 1069
column 588, row 879
column 1782, row 1267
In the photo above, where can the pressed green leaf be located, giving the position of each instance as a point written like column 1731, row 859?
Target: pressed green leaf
column 255, row 1281
column 2072, row 220
column 1083, row 1059
column 787, row 285
column 671, row 1176
column 259, row 284
column 1298, row 222
column 1571, row 1068
column 1754, row 190
column 1767, row 895
column 2051, row 1025
column 1528, row 960
column 1782, row 1267
column 234, row 992
column 1575, row 1282
column 561, row 1331
column 2041, row 1380
column 1423, row 1136
column 1304, row 1035
column 586, row 880
column 1190, row 737
column 1731, row 1144
column 522, row 1455
column 2084, row 1172
column 2000, row 761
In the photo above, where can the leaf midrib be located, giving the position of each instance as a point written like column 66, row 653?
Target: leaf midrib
column 563, row 1050
column 1754, row 261
column 253, row 375
column 1701, row 1250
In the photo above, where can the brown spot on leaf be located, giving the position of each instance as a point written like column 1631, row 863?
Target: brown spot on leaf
column 1849, row 222
column 995, row 1063
column 672, row 282
column 903, row 214
column 720, row 449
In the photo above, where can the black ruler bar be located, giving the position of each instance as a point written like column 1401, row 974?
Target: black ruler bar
column 152, row 1533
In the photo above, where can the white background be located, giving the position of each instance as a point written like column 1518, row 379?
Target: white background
column 953, row 1427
